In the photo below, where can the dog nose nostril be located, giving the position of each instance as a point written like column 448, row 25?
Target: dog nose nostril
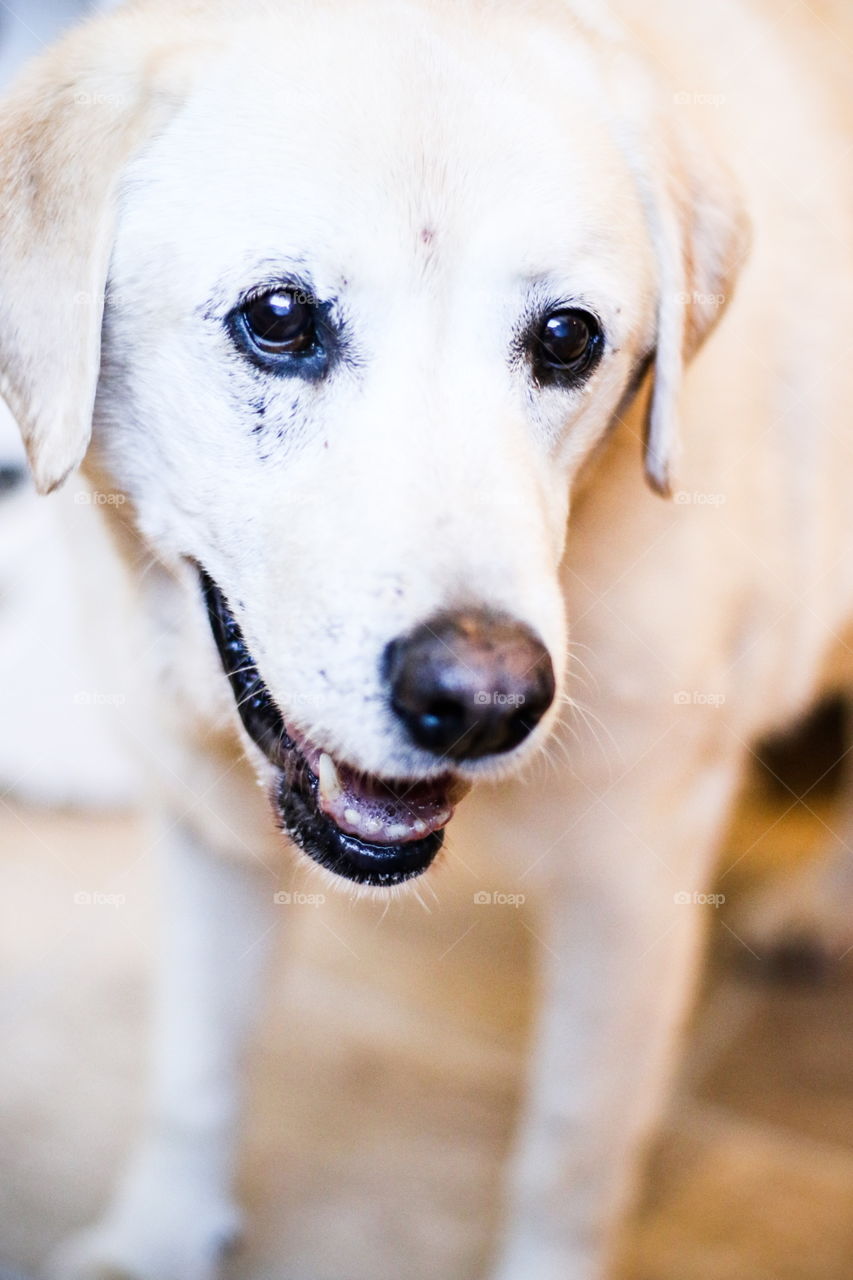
column 441, row 714
column 469, row 685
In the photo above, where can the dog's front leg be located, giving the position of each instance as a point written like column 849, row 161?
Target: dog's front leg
column 620, row 936
column 173, row 1213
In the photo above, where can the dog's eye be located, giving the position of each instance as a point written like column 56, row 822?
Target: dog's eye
column 566, row 345
column 281, row 323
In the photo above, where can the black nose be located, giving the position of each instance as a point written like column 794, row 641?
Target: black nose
column 468, row 685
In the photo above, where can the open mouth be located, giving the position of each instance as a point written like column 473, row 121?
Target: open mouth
column 371, row 830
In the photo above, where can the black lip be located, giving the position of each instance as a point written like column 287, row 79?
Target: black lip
column 295, row 795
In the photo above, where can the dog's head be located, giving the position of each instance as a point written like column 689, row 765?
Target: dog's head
column 360, row 287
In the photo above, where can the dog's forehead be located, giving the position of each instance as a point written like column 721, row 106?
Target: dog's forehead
column 366, row 138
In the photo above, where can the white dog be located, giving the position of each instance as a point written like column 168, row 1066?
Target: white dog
column 393, row 295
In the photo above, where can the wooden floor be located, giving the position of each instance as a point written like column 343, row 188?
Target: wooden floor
column 386, row 1075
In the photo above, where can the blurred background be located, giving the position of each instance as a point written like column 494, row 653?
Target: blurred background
column 388, row 1066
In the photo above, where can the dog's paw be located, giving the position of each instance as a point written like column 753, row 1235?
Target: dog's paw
column 173, row 1245
column 800, row 925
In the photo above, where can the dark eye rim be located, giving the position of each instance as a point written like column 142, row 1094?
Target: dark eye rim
column 311, row 363
column 566, row 376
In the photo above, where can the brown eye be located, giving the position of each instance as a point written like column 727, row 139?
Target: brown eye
column 566, row 345
column 281, row 323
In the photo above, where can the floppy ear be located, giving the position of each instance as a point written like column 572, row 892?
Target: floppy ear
column 67, row 130
column 700, row 233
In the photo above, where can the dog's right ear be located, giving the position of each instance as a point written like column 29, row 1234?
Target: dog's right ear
column 701, row 237
column 699, row 230
column 67, row 130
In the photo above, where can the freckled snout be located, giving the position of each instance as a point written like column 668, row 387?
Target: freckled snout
column 469, row 685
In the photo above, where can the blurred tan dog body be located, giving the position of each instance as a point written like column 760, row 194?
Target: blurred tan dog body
column 497, row 149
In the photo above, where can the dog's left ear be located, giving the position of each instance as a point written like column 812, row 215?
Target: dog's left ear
column 67, row 130
column 701, row 237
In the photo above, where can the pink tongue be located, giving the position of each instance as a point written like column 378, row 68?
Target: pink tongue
column 366, row 808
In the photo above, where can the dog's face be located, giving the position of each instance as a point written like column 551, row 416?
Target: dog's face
column 370, row 306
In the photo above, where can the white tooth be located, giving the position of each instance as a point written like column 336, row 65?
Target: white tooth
column 330, row 783
column 397, row 831
column 372, row 825
column 353, row 817
column 420, row 826
column 444, row 817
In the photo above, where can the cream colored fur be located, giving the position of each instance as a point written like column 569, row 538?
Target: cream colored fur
column 432, row 163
